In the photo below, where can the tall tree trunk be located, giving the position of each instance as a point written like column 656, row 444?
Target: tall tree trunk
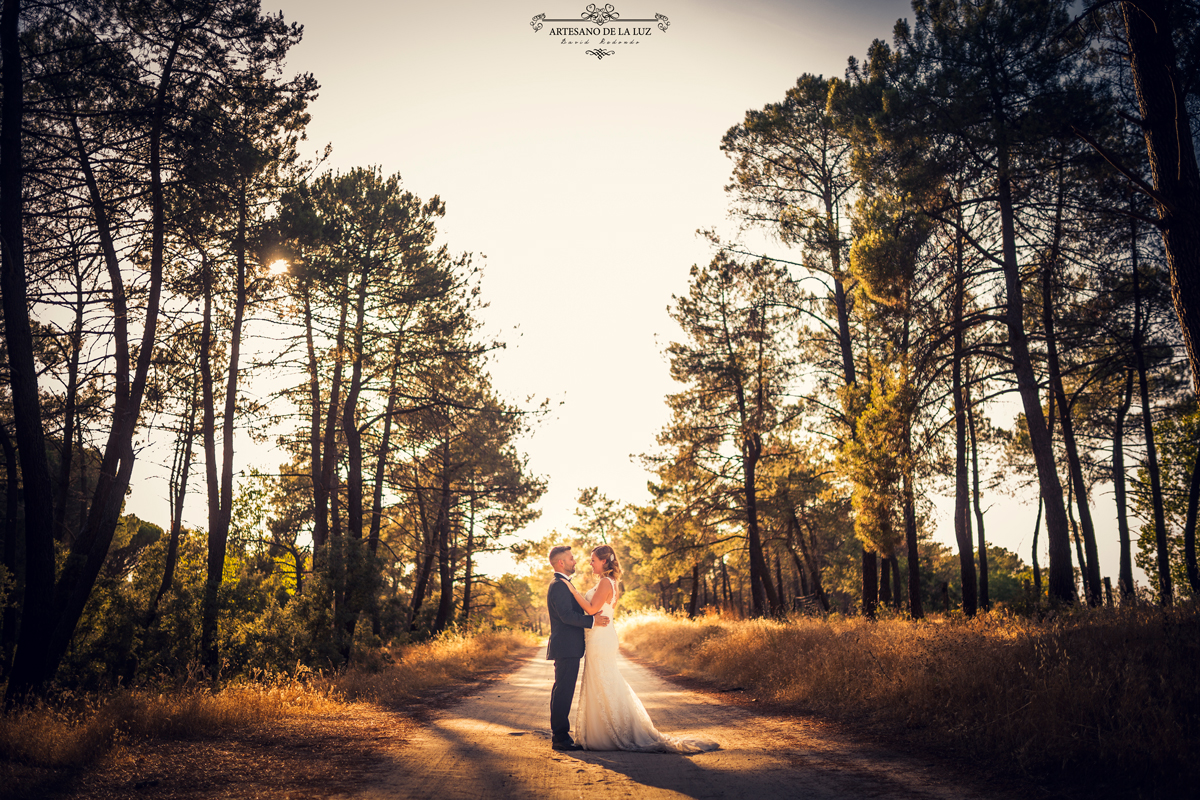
column 32, row 665
column 1166, row 125
column 694, row 599
column 1189, row 529
column 1037, row 569
column 178, row 484
column 1089, row 565
column 984, row 600
column 359, row 582
column 870, row 572
column 1125, row 578
column 885, row 581
column 780, row 589
column 70, row 411
column 428, row 544
column 12, row 499
column 316, row 469
column 725, row 584
column 910, row 539
column 469, row 562
column 1061, row 581
column 762, row 592
column 220, row 518
column 962, row 489
column 1166, row 592
column 445, row 558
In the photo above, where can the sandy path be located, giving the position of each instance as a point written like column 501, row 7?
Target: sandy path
column 496, row 744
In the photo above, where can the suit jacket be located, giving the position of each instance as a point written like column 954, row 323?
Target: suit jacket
column 567, row 622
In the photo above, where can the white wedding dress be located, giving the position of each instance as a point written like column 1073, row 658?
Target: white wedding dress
column 610, row 716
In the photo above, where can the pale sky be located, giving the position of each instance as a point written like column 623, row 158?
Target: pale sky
column 582, row 180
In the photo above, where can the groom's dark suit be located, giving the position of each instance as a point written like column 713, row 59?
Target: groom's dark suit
column 565, row 648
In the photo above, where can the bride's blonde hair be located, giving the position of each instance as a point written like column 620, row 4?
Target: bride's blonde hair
column 612, row 569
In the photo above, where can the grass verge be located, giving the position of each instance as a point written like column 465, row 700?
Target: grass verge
column 1113, row 695
column 71, row 732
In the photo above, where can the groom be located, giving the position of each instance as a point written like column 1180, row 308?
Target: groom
column 567, row 621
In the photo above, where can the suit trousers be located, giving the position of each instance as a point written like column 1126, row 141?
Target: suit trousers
column 566, row 673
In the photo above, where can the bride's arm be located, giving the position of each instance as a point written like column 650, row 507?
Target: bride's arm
column 603, row 592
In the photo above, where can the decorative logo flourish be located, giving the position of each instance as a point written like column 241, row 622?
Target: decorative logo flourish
column 599, row 15
column 663, row 22
column 536, row 22
column 598, row 53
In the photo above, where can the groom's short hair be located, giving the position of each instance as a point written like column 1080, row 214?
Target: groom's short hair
column 557, row 551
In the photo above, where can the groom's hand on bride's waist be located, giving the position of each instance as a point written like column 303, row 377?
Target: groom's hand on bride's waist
column 600, row 620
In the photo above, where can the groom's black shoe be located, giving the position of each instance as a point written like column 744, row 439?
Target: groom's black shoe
column 569, row 746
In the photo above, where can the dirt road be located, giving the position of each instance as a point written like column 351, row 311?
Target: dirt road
column 496, row 744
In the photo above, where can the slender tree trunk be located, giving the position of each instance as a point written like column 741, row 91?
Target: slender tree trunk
column 694, row 599
column 780, row 590
column 1125, row 578
column 12, row 499
column 70, row 410
column 359, row 582
column 218, row 531
column 1090, row 565
column 762, row 592
column 445, row 559
column 1189, row 529
column 896, row 583
column 885, row 581
column 962, row 489
column 1061, row 580
column 984, row 600
column 870, row 573
column 1037, row 569
column 469, row 560
column 910, row 539
column 317, row 472
column 1166, row 592
column 180, row 471
column 725, row 584
column 425, row 565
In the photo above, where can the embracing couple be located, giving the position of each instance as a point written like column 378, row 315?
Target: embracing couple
column 610, row 716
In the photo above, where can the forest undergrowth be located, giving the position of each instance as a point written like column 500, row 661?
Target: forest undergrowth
column 1113, row 695
column 72, row 730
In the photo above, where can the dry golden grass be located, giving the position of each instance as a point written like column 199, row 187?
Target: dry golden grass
column 74, row 731
column 423, row 667
column 1116, row 691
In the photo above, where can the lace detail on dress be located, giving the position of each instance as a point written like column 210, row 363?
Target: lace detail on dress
column 610, row 716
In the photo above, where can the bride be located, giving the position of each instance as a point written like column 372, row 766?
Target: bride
column 610, row 716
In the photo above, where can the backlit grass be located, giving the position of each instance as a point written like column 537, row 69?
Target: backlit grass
column 1116, row 691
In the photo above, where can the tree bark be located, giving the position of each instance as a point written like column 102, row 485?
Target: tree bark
column 1165, row 123
column 12, row 499
column 32, row 665
column 1166, row 592
column 962, row 489
column 762, row 592
column 219, row 518
column 1089, row 564
column 910, row 539
column 984, row 600
column 870, row 579
column 1062, row 582
column 694, row 599
column 1125, row 577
